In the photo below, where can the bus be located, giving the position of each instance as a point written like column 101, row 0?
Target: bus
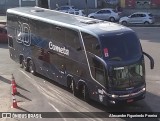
column 97, row 60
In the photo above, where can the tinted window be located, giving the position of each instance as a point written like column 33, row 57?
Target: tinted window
column 72, row 38
column 107, row 11
column 101, row 11
column 58, row 34
column 134, row 15
column 142, row 15
column 91, row 43
column 43, row 29
column 119, row 47
column 150, row 15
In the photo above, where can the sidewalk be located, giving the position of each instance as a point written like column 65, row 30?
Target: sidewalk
column 5, row 95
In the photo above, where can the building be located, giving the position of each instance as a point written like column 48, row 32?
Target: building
column 83, row 4
column 51, row 4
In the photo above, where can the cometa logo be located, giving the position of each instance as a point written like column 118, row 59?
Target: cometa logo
column 62, row 50
column 24, row 34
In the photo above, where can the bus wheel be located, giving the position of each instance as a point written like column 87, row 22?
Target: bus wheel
column 73, row 87
column 31, row 67
column 24, row 65
column 85, row 93
column 21, row 62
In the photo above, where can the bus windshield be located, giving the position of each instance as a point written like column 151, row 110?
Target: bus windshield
column 128, row 76
column 120, row 47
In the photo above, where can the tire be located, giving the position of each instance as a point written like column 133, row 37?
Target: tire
column 85, row 93
column 31, row 67
column 124, row 22
column 92, row 17
column 112, row 19
column 146, row 23
column 21, row 62
column 24, row 65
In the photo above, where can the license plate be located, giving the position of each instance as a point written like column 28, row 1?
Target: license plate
column 130, row 100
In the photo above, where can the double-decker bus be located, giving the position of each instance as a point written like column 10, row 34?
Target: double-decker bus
column 96, row 59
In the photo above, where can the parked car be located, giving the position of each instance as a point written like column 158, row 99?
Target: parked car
column 106, row 14
column 71, row 10
column 138, row 18
column 3, row 34
column 77, row 12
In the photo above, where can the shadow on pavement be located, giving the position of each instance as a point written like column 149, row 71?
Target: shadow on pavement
column 22, row 88
column 22, row 96
column 9, row 82
column 22, row 109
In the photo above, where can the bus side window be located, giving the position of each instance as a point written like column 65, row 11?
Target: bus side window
column 58, row 34
column 72, row 38
column 99, row 71
column 91, row 44
column 93, row 48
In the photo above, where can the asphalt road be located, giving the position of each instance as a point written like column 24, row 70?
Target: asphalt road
column 39, row 94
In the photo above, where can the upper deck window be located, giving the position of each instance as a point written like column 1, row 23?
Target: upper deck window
column 120, row 47
column 91, row 44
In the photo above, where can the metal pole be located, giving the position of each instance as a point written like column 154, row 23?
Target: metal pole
column 49, row 4
column 20, row 3
column 36, row 2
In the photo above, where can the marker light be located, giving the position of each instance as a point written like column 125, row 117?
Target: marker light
column 144, row 89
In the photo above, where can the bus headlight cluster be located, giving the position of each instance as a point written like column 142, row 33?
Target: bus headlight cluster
column 114, row 96
column 144, row 89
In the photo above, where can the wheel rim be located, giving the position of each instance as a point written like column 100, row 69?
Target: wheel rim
column 112, row 19
column 72, row 86
column 30, row 66
column 124, row 23
column 24, row 65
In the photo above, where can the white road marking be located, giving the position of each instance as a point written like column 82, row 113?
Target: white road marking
column 25, row 74
column 54, row 107
column 57, row 110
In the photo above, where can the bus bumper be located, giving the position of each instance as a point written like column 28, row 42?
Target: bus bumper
column 132, row 97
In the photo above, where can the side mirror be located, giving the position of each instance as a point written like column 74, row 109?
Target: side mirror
column 129, row 16
column 151, row 60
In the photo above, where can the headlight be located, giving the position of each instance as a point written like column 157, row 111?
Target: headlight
column 114, row 96
column 144, row 89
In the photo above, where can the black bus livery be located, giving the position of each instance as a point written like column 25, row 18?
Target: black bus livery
column 96, row 59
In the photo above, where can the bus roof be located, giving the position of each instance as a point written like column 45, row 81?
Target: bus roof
column 93, row 26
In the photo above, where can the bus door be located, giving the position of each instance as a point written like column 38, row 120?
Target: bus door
column 97, row 67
